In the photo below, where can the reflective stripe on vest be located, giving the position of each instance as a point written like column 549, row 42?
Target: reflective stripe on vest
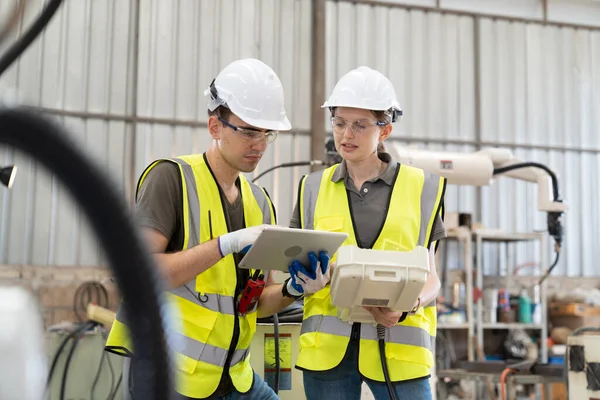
column 207, row 302
column 414, row 204
column 400, row 334
column 205, row 352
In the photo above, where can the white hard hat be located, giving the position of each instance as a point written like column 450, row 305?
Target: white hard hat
column 253, row 92
column 365, row 88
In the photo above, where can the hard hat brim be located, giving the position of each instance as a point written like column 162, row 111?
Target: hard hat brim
column 281, row 126
column 360, row 106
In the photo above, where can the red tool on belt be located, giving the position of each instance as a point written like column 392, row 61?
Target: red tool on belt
column 251, row 293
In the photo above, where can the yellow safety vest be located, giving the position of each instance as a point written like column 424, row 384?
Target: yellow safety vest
column 415, row 201
column 202, row 336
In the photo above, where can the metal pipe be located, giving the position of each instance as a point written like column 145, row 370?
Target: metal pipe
column 133, row 92
column 318, row 65
column 134, row 118
column 477, row 95
column 120, row 117
column 413, row 139
column 489, row 143
column 545, row 10
column 410, row 7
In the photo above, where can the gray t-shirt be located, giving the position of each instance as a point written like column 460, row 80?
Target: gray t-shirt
column 159, row 205
column 368, row 202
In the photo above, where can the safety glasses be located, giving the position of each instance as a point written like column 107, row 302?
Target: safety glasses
column 251, row 134
column 357, row 127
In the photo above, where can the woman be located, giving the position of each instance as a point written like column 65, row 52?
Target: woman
column 381, row 205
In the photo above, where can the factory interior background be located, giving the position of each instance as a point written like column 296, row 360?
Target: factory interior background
column 127, row 78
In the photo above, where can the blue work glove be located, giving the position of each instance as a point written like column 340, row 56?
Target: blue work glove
column 309, row 280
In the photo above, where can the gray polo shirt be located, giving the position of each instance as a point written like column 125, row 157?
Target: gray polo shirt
column 368, row 202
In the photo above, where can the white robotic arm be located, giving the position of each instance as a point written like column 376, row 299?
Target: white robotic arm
column 479, row 169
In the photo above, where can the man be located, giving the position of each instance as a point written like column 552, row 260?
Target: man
column 198, row 214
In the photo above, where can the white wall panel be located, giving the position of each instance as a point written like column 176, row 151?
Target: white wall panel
column 539, row 85
column 543, row 93
column 184, row 45
column 427, row 56
column 512, row 8
column 585, row 12
column 40, row 223
column 571, row 12
column 80, row 62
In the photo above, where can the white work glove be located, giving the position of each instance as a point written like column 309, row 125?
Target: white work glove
column 309, row 280
column 239, row 241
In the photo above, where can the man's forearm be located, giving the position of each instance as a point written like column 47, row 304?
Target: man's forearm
column 183, row 266
column 272, row 301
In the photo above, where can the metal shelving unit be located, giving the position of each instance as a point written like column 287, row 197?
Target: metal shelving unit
column 473, row 311
column 464, row 237
column 481, row 237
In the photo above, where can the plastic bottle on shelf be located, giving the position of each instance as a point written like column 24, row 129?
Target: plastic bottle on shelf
column 524, row 308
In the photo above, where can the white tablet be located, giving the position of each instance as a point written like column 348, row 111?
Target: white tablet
column 277, row 246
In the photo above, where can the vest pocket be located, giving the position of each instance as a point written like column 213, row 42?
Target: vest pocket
column 191, row 343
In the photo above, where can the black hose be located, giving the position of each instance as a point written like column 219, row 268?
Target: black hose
column 14, row 51
column 384, row 366
column 288, row 165
column 114, row 392
column 76, row 338
column 554, row 217
column 277, row 360
column 502, row 170
column 549, row 271
column 61, row 348
column 128, row 257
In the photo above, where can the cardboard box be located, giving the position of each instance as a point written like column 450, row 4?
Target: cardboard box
column 573, row 315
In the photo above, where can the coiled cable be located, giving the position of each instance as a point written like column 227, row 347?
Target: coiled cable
column 86, row 293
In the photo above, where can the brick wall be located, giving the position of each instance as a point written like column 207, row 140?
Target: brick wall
column 55, row 287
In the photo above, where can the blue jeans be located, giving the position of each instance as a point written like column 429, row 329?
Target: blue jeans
column 344, row 382
column 259, row 391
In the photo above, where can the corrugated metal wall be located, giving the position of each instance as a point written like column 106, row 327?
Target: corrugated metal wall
column 537, row 94
column 536, row 87
column 127, row 108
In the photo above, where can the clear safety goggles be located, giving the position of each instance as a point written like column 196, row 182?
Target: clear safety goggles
column 357, row 127
column 251, row 134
